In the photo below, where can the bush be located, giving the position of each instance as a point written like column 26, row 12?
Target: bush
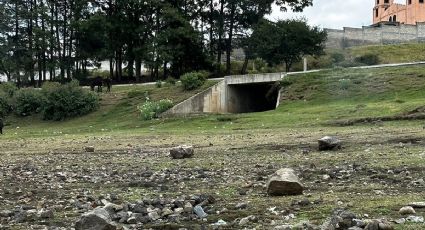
column 8, row 88
column 158, row 84
column 67, row 101
column 27, row 102
column 171, row 81
column 151, row 109
column 5, row 107
column 193, row 80
column 368, row 59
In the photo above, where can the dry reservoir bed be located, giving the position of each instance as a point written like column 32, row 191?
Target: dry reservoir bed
column 50, row 182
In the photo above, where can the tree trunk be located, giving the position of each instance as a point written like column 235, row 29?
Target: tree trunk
column 220, row 36
column 139, row 69
column 229, row 40
column 245, row 65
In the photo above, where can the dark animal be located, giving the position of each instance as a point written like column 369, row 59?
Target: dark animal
column 100, row 82
column 1, row 126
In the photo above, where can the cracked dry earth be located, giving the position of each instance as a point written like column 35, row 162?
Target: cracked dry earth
column 48, row 183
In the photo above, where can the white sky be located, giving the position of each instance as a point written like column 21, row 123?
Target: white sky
column 334, row 14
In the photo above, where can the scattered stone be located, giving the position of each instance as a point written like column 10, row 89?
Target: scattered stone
column 400, row 221
column 329, row 143
column 219, row 223
column 89, row 149
column 241, row 206
column 415, row 219
column 46, row 214
column 182, row 152
column 341, row 219
column 188, row 207
column 417, row 205
column 408, row 210
column 246, row 220
column 154, row 216
column 199, row 211
column 166, row 212
column 99, row 219
column 284, row 227
column 284, row 182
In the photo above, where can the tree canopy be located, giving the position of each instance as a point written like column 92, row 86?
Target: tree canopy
column 57, row 40
column 285, row 41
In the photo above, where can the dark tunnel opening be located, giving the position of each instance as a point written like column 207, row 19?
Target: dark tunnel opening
column 258, row 97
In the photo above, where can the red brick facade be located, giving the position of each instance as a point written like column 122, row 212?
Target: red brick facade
column 388, row 11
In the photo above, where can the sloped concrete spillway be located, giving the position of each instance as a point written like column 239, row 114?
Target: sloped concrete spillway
column 235, row 94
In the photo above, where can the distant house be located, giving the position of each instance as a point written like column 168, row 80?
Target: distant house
column 386, row 11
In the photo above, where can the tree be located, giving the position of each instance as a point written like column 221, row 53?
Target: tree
column 286, row 41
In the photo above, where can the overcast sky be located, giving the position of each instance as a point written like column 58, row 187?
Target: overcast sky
column 334, row 13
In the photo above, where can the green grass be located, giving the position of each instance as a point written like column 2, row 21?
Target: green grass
column 312, row 99
column 387, row 54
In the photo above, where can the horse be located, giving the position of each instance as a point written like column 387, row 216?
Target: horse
column 1, row 126
column 99, row 82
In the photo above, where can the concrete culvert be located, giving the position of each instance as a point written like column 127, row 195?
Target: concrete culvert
column 256, row 97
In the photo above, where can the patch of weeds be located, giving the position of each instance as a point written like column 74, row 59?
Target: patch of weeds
column 226, row 118
column 137, row 94
column 344, row 84
column 152, row 109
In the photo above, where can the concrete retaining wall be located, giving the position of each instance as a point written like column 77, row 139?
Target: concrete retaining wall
column 371, row 35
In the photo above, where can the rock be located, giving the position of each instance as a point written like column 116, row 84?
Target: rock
column 355, row 228
column 246, row 220
column 379, row 225
column 199, row 211
column 182, row 152
column 305, row 226
column 89, row 149
column 98, row 219
column 417, row 205
column 154, row 216
column 140, row 208
column 219, row 223
column 284, row 182
column 400, row 221
column 166, row 212
column 46, row 214
column 188, row 207
column 283, row 227
column 342, row 219
column 373, row 225
column 408, row 210
column 385, row 225
column 329, row 143
column 241, row 206
column 415, row 219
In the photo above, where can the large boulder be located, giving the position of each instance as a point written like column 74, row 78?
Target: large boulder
column 284, row 182
column 329, row 143
column 98, row 219
column 182, row 152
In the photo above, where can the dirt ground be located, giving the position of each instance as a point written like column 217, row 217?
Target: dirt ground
column 378, row 171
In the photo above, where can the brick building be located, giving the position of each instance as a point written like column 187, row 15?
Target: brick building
column 386, row 11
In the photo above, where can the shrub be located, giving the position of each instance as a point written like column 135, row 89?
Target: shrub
column 151, row 109
column 5, row 107
column 158, row 84
column 171, row 81
column 27, row 102
column 67, row 101
column 285, row 82
column 193, row 80
column 337, row 57
column 8, row 88
column 368, row 59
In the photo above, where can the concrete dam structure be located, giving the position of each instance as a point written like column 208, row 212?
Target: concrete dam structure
column 235, row 94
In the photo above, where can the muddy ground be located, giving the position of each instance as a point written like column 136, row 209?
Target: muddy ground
column 379, row 170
